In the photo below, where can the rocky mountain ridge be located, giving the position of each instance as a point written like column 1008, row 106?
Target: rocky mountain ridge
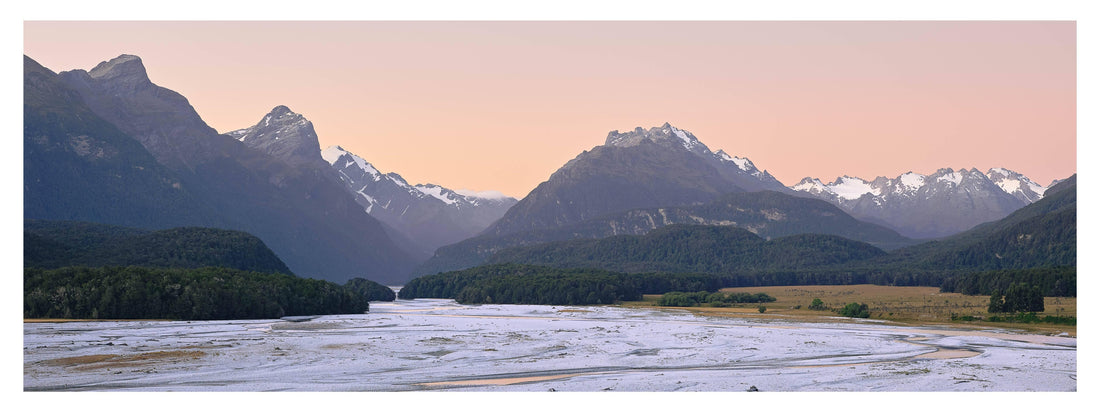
column 943, row 203
column 429, row 215
column 308, row 219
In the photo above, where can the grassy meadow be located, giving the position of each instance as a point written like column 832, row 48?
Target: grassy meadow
column 904, row 304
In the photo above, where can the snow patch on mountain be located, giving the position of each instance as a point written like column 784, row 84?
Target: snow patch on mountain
column 851, row 188
column 688, row 142
column 370, row 200
column 1016, row 184
column 436, row 192
column 333, row 154
column 239, row 134
column 811, row 185
column 912, row 181
column 1009, row 186
column 953, row 177
column 487, row 194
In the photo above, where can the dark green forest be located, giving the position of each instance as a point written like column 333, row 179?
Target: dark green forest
column 693, row 249
column 183, row 294
column 1051, row 281
column 371, row 290
column 528, row 284
column 98, row 271
column 55, row 244
column 717, row 299
column 1020, row 297
column 531, row 284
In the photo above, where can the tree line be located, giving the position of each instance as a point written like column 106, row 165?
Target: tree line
column 371, row 290
column 533, row 284
column 717, row 299
column 1051, row 281
column 530, row 284
column 116, row 292
column 693, row 249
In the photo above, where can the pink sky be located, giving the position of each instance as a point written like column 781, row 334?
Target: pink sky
column 502, row 105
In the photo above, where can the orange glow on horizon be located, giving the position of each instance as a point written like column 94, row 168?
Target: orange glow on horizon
column 501, row 105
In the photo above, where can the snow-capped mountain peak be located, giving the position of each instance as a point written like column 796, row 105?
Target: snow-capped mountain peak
column 665, row 134
column 438, row 192
column 851, row 188
column 686, row 138
column 911, row 182
column 949, row 176
column 811, row 185
column 939, row 204
column 740, row 170
column 284, row 134
column 334, row 154
column 742, row 163
column 1016, row 184
column 429, row 215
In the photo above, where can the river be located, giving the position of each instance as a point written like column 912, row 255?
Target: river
column 439, row 345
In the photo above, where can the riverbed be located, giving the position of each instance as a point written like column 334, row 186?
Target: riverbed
column 439, row 345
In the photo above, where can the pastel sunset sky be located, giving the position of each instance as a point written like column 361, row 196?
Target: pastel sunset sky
column 501, row 105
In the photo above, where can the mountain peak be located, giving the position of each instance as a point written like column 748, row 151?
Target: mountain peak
column 994, row 171
column 812, row 185
column 283, row 115
column 665, row 134
column 126, row 68
column 1016, row 184
column 280, row 110
column 283, row 134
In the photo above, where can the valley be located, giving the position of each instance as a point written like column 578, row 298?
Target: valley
column 438, row 345
column 160, row 254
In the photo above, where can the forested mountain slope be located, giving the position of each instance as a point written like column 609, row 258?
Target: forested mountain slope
column 55, row 244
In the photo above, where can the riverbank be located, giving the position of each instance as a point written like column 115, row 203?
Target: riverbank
column 899, row 305
column 439, row 345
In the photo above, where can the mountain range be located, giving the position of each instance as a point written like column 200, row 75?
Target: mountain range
column 429, row 215
column 109, row 146
column 658, row 167
column 929, row 206
column 420, row 218
column 766, row 214
column 1042, row 234
column 137, row 154
column 648, row 178
column 1038, row 236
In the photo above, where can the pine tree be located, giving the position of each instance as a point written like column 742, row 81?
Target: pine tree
column 996, row 302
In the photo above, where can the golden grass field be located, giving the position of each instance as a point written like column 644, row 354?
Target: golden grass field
column 904, row 304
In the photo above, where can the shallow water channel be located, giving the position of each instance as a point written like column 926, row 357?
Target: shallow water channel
column 439, row 345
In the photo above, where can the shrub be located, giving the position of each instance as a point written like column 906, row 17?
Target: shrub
column 855, row 310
